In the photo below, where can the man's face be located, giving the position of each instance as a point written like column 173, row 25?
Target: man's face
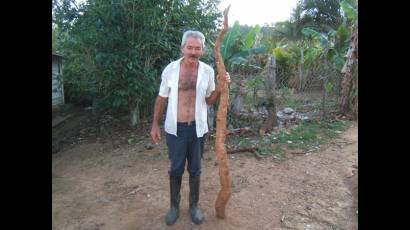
column 192, row 50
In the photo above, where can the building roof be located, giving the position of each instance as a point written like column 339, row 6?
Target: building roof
column 56, row 54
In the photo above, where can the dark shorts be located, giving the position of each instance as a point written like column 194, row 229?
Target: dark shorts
column 186, row 146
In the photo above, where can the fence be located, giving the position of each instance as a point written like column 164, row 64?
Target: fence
column 314, row 94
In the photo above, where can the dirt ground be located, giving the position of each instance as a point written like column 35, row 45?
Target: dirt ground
column 107, row 185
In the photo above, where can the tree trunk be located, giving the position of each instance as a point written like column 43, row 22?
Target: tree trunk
column 238, row 101
column 134, row 115
column 324, row 96
column 325, row 80
column 302, row 60
column 348, row 105
column 270, row 89
column 221, row 130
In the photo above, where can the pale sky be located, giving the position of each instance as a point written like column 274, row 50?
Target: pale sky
column 252, row 12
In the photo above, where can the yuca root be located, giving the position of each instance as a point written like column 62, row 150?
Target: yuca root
column 221, row 130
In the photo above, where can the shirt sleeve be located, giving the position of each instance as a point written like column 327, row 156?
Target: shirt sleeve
column 211, row 83
column 164, row 88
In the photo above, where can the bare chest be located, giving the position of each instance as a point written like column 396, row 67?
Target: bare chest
column 187, row 80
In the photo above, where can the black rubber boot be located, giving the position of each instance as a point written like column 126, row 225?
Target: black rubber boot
column 196, row 215
column 175, row 186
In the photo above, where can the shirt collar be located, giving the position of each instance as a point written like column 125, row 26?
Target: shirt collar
column 177, row 63
column 200, row 69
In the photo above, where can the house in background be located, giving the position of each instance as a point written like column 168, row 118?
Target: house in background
column 57, row 81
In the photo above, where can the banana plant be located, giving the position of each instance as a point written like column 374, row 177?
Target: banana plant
column 237, row 47
column 332, row 46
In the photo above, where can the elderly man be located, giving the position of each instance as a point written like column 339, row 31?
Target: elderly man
column 189, row 85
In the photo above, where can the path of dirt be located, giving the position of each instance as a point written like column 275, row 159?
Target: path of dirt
column 98, row 186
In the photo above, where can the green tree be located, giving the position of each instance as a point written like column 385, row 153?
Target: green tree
column 115, row 50
column 320, row 15
column 54, row 38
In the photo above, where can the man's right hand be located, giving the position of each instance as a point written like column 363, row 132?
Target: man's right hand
column 155, row 133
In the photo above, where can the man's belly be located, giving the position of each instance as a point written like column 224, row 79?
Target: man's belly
column 186, row 108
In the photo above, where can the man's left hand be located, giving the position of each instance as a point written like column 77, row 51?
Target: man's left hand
column 228, row 78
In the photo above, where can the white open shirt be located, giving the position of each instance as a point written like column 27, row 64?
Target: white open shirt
column 205, row 84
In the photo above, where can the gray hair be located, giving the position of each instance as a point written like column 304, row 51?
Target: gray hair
column 194, row 34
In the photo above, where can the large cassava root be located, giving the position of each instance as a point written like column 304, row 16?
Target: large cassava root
column 221, row 130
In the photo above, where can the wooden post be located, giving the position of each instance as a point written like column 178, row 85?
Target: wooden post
column 270, row 91
column 221, row 130
column 302, row 60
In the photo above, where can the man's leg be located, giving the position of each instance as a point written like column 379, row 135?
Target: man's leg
column 177, row 154
column 195, row 153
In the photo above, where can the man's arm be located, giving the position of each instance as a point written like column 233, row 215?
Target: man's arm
column 158, row 111
column 212, row 98
column 217, row 92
